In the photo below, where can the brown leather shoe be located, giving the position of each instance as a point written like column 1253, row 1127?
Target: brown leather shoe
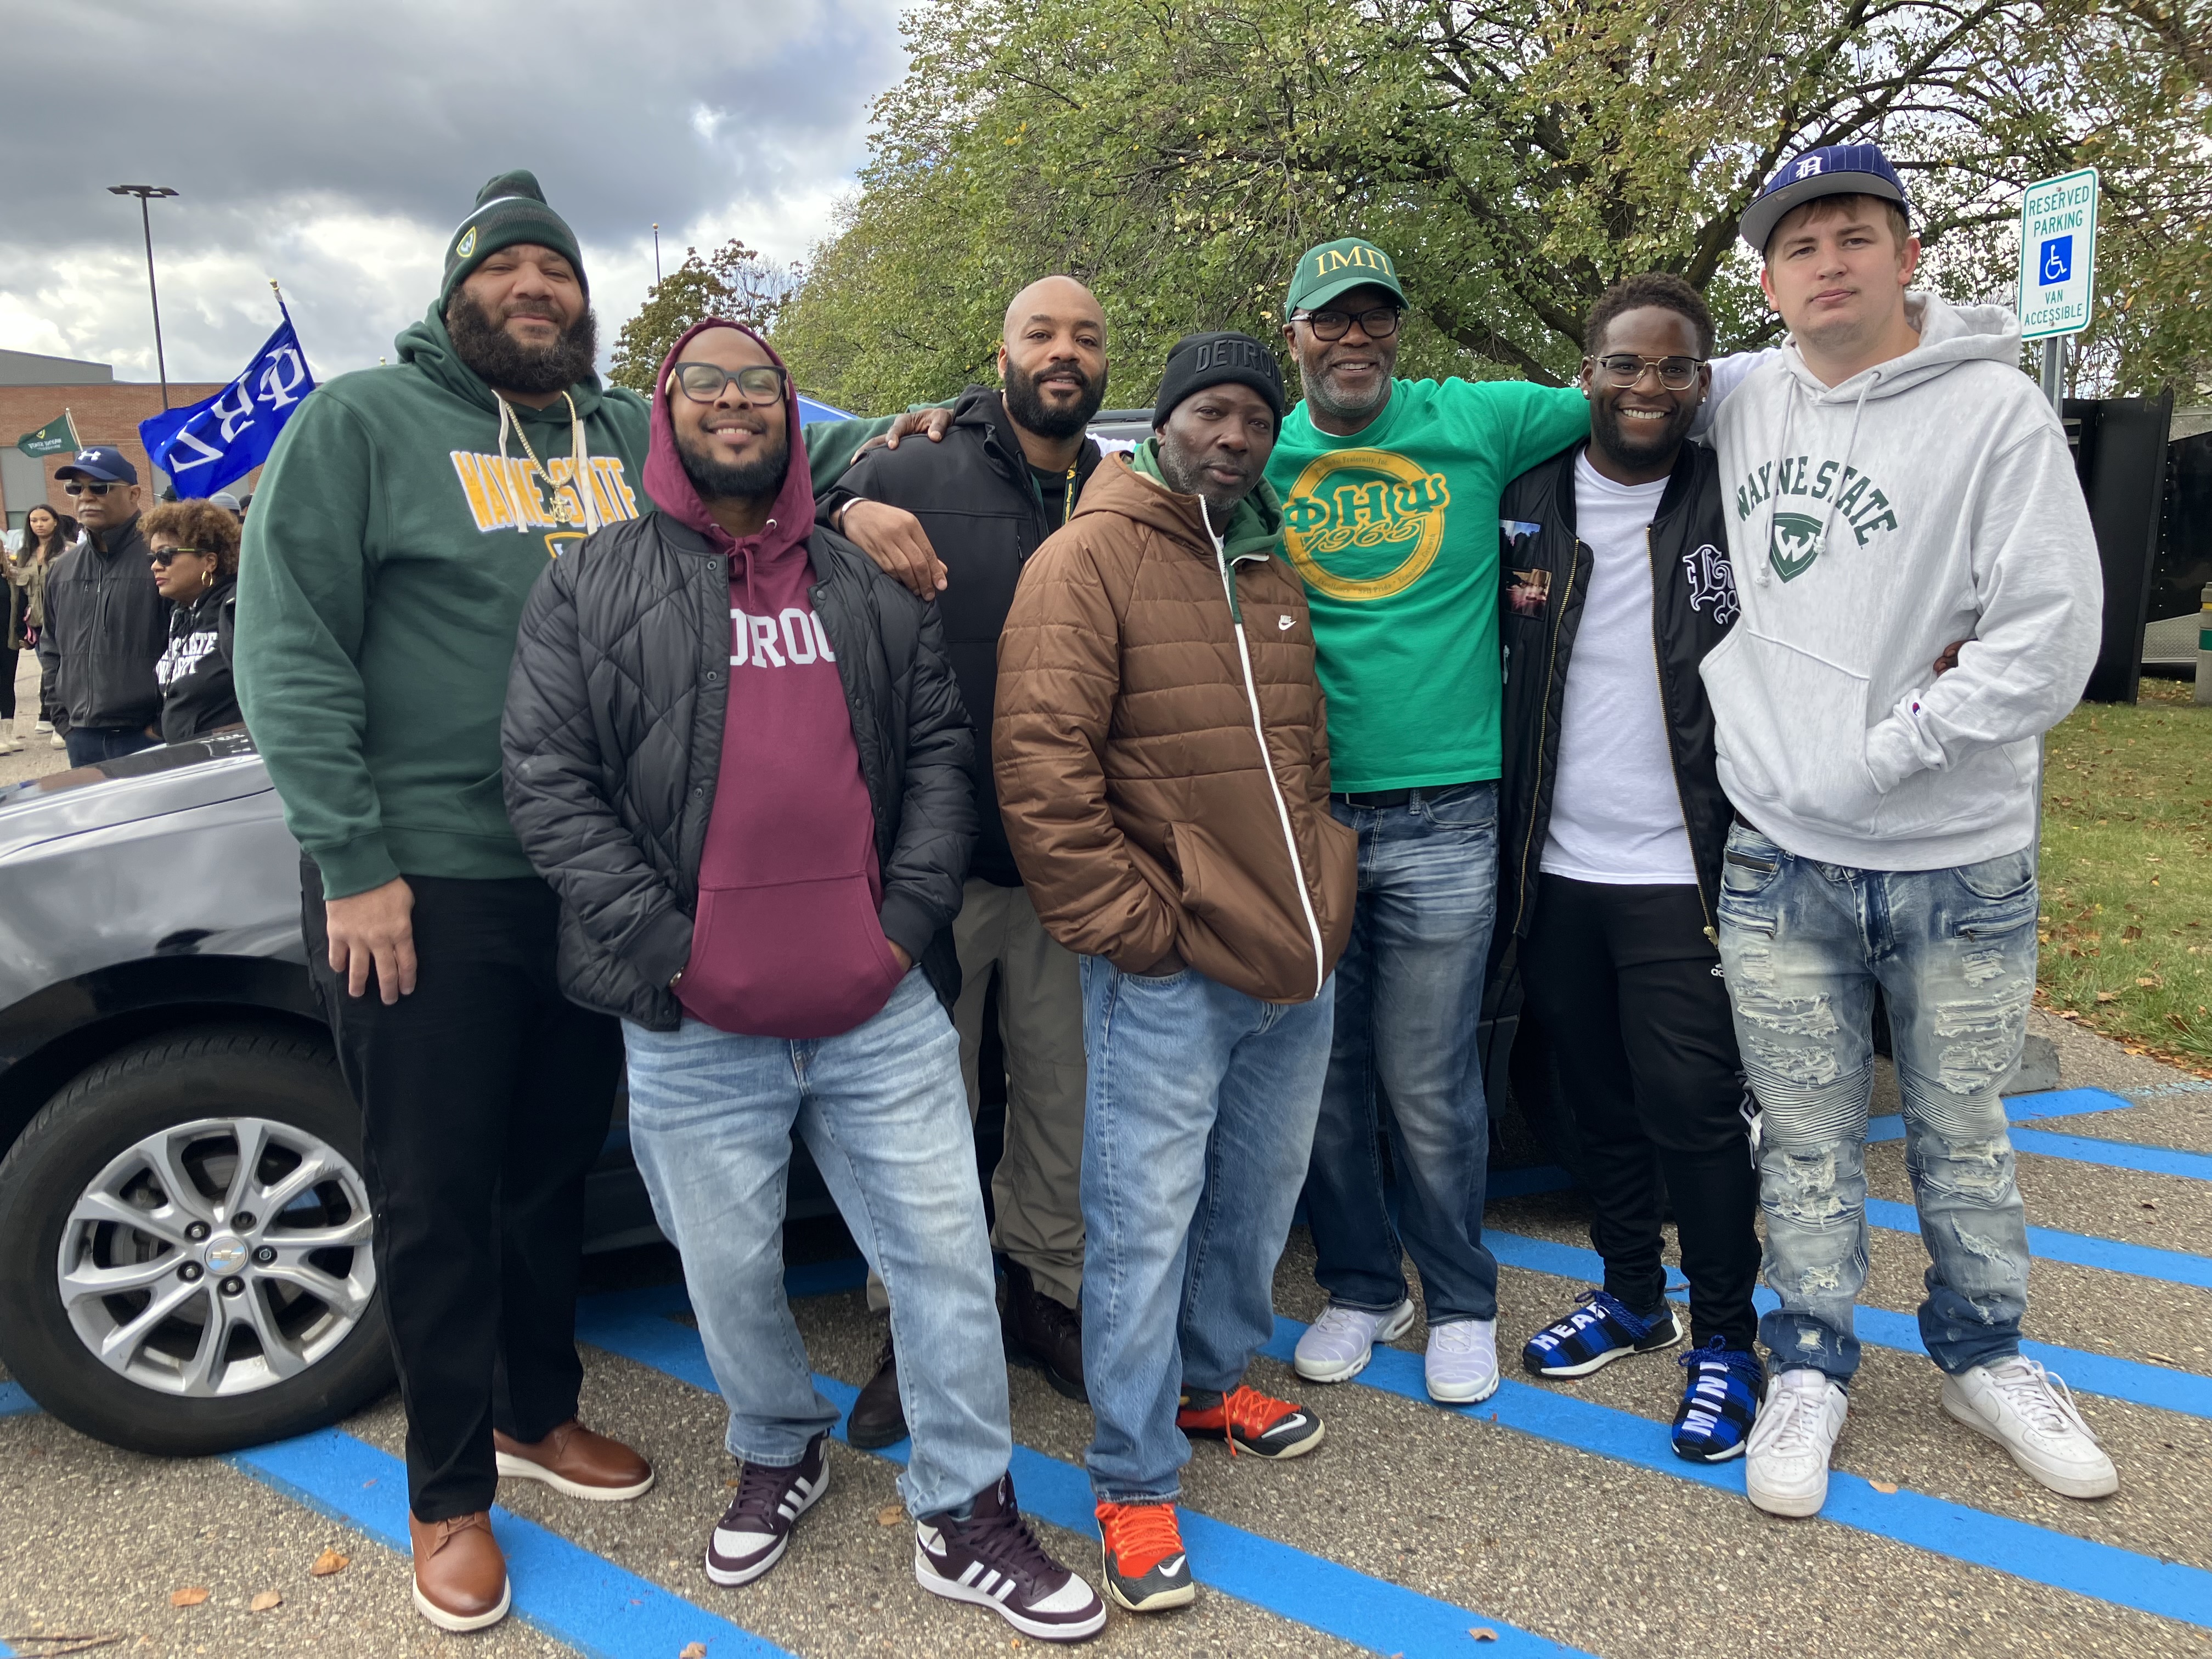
column 460, row 1576
column 1043, row 1333
column 576, row 1462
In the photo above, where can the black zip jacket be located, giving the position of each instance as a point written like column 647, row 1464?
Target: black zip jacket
column 984, row 516
column 106, row 626
column 197, row 692
column 613, row 743
column 1545, row 571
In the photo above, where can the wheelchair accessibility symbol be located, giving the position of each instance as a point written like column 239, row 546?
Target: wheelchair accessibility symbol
column 2057, row 264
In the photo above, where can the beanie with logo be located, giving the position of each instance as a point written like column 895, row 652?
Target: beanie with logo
column 1200, row 361
column 509, row 208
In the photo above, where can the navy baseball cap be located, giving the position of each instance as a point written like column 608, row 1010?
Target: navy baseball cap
column 101, row 464
column 1832, row 170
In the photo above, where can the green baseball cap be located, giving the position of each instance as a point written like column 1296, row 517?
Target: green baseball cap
column 1338, row 267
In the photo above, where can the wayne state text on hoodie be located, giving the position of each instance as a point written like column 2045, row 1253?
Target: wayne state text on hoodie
column 786, row 941
column 1929, row 500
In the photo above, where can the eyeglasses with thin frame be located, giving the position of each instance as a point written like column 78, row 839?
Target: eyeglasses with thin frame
column 758, row 383
column 1675, row 374
column 162, row 556
column 79, row 487
column 1379, row 324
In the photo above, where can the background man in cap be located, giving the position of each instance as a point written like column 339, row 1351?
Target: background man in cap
column 107, row 624
column 1920, row 600
column 404, row 515
column 1162, row 767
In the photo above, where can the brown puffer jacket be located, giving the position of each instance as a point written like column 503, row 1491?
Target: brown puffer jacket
column 1127, row 747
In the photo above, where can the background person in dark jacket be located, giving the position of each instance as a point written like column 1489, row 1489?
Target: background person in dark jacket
column 106, row 624
column 47, row 536
column 1616, row 586
column 756, row 869
column 193, row 546
column 1006, row 475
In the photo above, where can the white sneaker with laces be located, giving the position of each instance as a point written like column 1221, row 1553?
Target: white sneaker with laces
column 2032, row 1414
column 1786, row 1469
column 1337, row 1347
column 1462, row 1364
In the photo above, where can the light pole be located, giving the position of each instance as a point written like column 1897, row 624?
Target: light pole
column 145, row 193
column 656, row 255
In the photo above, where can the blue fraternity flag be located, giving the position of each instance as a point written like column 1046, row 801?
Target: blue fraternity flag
column 222, row 439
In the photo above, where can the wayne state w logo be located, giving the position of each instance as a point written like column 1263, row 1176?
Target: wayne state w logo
column 1794, row 543
column 1364, row 524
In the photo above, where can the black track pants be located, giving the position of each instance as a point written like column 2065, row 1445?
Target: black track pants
column 485, row 1096
column 1627, row 988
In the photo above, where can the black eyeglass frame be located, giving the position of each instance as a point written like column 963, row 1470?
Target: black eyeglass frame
column 1364, row 318
column 1661, row 366
column 731, row 377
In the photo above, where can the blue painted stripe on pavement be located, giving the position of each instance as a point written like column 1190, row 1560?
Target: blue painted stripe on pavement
column 560, row 1589
column 2077, row 1149
column 14, row 1400
column 2103, row 1374
column 2100, row 1572
column 2048, row 1244
column 2063, row 1102
column 1369, row 1613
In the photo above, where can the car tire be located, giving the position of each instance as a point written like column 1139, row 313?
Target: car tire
column 328, row 1354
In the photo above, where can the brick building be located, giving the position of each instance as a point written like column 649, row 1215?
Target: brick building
column 33, row 390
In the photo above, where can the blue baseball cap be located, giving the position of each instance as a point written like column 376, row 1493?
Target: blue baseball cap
column 1832, row 170
column 101, row 464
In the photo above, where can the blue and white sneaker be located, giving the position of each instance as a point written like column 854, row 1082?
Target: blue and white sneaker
column 1720, row 1402
column 1599, row 1331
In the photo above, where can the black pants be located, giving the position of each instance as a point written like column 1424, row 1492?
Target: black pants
column 8, row 685
column 486, row 1097
column 1628, row 989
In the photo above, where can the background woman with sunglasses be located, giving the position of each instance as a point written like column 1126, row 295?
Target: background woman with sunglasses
column 193, row 546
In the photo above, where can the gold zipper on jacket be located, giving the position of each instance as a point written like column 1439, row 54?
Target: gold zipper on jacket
column 1667, row 726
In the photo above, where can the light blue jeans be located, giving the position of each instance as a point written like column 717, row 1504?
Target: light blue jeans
column 884, row 1111
column 1804, row 944
column 1198, row 1121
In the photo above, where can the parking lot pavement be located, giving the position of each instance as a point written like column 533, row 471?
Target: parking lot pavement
column 1552, row 1517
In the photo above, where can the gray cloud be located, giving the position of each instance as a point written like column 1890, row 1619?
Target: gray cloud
column 333, row 147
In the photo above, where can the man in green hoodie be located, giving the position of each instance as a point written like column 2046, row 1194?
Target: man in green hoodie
column 404, row 515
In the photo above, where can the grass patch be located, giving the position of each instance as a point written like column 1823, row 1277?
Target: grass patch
column 2126, row 922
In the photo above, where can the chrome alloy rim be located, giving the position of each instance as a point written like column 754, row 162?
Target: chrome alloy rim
column 218, row 1257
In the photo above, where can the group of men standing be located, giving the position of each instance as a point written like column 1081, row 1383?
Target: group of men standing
column 1221, row 759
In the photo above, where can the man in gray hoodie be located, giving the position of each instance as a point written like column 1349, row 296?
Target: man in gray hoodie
column 1921, row 601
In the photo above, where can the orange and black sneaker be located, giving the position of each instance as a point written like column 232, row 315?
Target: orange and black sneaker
column 1147, row 1570
column 1250, row 1421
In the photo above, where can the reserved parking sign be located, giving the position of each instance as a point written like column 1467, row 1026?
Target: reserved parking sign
column 2057, row 254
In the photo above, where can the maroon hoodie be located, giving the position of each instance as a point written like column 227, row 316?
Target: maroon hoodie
column 786, row 941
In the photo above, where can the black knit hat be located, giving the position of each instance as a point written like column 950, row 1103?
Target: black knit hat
column 1200, row 361
column 509, row 208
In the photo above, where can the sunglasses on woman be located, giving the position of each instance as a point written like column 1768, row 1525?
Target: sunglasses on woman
column 162, row 557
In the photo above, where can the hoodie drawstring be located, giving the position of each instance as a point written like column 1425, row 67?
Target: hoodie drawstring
column 1836, row 496
column 580, row 462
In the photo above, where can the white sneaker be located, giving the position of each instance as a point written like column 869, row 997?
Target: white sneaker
column 60, row 742
column 1337, row 1347
column 43, row 728
column 10, row 744
column 2032, row 1414
column 1786, row 1471
column 1462, row 1362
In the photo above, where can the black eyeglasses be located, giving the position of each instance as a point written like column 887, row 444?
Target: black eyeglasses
column 1675, row 374
column 1379, row 324
column 702, row 383
column 77, row 487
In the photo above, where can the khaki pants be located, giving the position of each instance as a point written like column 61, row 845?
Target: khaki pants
column 1037, row 1190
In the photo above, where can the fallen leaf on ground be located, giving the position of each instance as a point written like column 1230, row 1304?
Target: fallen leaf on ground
column 1482, row 1633
column 2161, row 1358
column 1888, row 1488
column 328, row 1562
column 693, row 1650
column 890, row 1516
column 2108, row 996
column 190, row 1596
column 263, row 1602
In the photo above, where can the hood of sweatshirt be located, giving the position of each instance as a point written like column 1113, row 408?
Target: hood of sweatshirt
column 1254, row 529
column 1950, row 334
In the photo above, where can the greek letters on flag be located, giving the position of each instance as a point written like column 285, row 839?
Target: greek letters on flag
column 222, row 439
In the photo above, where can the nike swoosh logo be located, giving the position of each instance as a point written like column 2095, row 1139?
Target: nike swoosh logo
column 1173, row 1569
column 1296, row 1420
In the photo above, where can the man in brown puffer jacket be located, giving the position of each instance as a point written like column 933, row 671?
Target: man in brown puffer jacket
column 1163, row 769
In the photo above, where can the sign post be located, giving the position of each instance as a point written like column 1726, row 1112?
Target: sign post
column 2058, row 265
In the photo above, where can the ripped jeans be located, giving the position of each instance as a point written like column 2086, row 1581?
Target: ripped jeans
column 1804, row 944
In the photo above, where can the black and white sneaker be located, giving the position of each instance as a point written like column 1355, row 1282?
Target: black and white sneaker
column 755, row 1529
column 993, row 1559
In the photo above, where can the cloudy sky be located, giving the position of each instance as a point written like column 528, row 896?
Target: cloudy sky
column 334, row 147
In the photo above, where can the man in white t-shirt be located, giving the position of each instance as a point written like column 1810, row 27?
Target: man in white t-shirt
column 1616, row 586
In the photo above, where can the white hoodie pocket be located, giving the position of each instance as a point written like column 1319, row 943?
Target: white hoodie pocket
column 1793, row 732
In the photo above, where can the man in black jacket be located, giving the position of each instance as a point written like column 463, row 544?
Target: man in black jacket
column 1005, row 475
column 1616, row 587
column 106, row 623
column 758, row 868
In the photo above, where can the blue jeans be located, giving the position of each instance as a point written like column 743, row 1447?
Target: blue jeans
column 1198, row 1115
column 1408, row 999
column 1804, row 944
column 88, row 745
column 884, row 1113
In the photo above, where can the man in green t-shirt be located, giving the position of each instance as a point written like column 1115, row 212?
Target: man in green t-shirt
column 1389, row 492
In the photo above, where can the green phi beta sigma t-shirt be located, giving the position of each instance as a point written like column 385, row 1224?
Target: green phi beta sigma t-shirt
column 1395, row 531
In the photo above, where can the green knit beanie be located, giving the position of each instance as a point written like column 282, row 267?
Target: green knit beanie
column 509, row 208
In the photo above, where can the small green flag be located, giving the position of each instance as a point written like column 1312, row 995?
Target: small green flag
column 57, row 436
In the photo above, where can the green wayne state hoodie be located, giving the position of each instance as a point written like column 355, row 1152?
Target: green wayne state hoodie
column 397, row 531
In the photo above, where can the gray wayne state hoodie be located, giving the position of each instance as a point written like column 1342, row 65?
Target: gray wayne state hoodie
column 1928, row 500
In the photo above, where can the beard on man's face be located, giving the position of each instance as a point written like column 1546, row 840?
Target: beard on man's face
column 720, row 480
column 504, row 362
column 1029, row 411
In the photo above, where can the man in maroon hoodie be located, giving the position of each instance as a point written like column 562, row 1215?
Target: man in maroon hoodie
column 736, row 752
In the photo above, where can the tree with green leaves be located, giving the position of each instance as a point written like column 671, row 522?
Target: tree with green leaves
column 733, row 281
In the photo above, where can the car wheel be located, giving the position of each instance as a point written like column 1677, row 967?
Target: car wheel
column 185, row 1261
